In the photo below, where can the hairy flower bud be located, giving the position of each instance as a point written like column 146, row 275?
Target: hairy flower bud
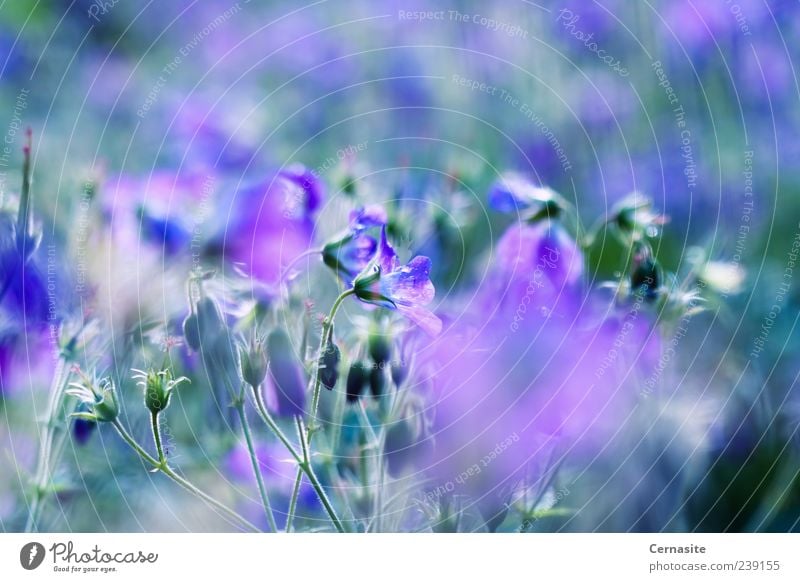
column 254, row 362
column 96, row 400
column 158, row 387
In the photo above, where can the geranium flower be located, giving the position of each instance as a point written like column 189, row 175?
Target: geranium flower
column 404, row 288
column 351, row 252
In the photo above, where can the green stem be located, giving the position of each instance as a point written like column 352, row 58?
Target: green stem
column 262, row 490
column 164, row 468
column 42, row 476
column 298, row 480
column 303, row 462
column 162, row 459
column 23, row 216
column 327, row 325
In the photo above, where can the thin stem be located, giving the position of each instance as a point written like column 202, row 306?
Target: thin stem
column 327, row 325
column 23, row 216
column 296, row 260
column 298, row 480
column 134, row 445
column 164, row 468
column 262, row 490
column 304, row 466
column 162, row 459
column 42, row 476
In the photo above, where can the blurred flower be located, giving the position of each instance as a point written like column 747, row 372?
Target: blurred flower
column 271, row 223
column 26, row 360
column 407, row 289
column 356, row 380
column 513, row 192
column 502, row 401
column 23, row 287
column 155, row 209
column 726, row 278
column 285, row 387
column 278, row 470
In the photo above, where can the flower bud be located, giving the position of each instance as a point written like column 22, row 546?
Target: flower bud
column 356, row 381
column 191, row 332
column 380, row 349
column 254, row 363
column 399, row 373
column 329, row 364
column 285, row 376
column 204, row 323
column 97, row 398
column 377, row 381
column 158, row 387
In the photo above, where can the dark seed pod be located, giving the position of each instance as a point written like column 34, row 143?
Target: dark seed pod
column 329, row 365
column 356, row 381
column 377, row 381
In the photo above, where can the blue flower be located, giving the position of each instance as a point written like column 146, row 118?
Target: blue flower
column 404, row 288
column 23, row 288
column 352, row 252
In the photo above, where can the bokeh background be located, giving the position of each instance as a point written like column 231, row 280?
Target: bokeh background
column 149, row 117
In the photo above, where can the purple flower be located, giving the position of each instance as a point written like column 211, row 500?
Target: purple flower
column 154, row 209
column 26, row 361
column 370, row 216
column 278, row 470
column 352, row 252
column 536, row 273
column 272, row 223
column 404, row 288
column 23, row 284
column 502, row 401
column 513, row 193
